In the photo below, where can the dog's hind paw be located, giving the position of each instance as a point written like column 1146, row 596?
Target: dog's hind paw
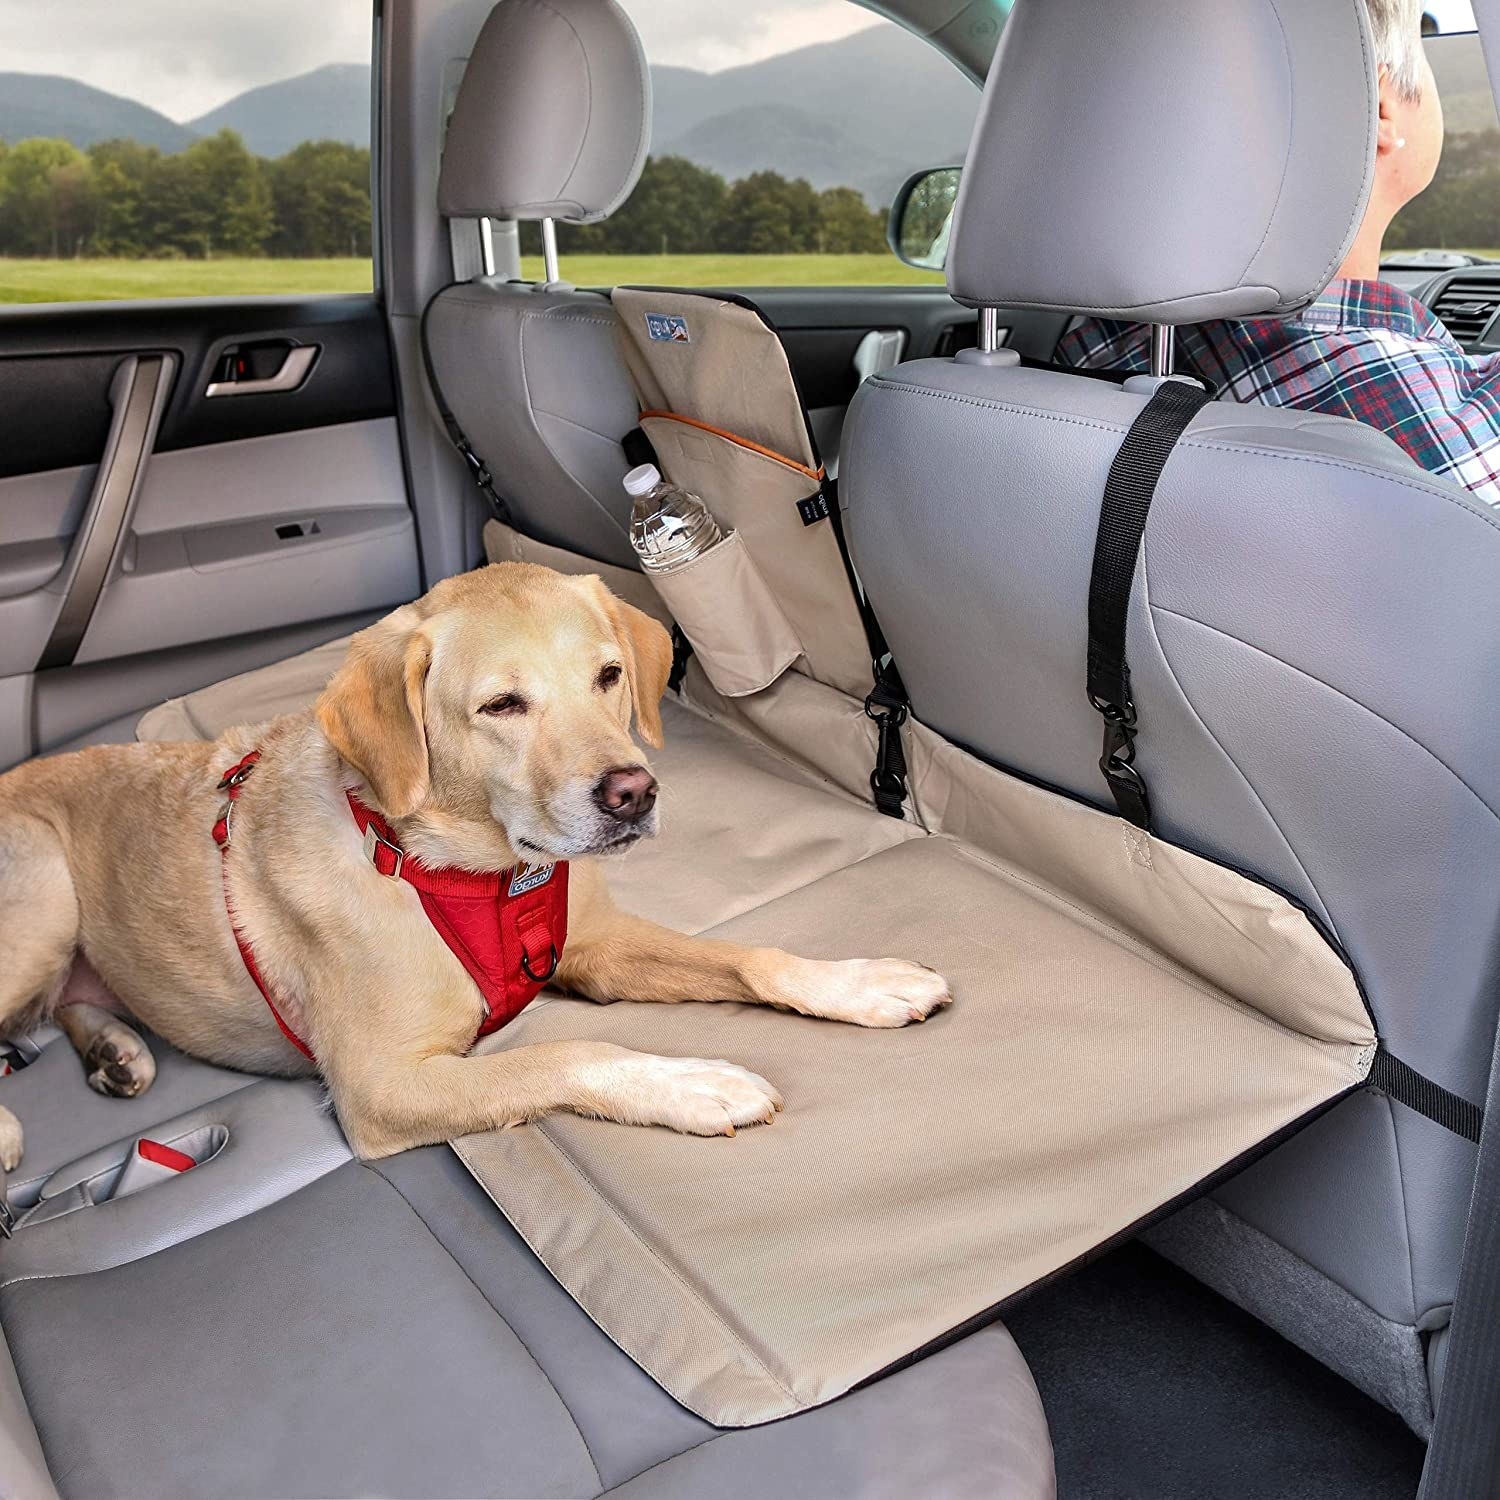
column 119, row 1063
column 10, row 1140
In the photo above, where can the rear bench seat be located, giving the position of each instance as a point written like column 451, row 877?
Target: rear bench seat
column 288, row 1321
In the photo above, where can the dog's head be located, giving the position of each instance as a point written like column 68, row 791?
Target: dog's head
column 497, row 710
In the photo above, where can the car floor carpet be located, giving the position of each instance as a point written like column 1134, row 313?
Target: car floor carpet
column 1158, row 1389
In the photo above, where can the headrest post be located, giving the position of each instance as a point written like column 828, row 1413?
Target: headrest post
column 989, row 329
column 1163, row 348
column 486, row 246
column 549, row 251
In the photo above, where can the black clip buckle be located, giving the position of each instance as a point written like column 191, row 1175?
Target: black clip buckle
column 888, row 779
column 1117, row 762
column 551, row 970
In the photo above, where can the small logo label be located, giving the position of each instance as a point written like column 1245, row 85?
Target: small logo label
column 529, row 877
column 667, row 328
column 813, row 509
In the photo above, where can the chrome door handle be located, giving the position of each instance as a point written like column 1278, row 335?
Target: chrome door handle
column 299, row 360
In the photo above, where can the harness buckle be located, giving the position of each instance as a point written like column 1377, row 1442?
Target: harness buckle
column 7, row 1218
column 373, row 843
column 236, row 777
column 224, row 825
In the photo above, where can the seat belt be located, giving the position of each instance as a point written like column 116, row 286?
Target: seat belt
column 478, row 470
column 1128, row 492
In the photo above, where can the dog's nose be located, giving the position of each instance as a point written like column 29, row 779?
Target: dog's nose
column 628, row 793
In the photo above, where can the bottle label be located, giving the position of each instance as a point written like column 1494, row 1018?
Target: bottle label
column 667, row 328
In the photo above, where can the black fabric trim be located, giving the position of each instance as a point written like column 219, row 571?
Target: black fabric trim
column 1128, row 492
column 1407, row 1086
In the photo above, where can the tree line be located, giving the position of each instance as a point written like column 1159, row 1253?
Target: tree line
column 680, row 208
column 121, row 198
column 216, row 198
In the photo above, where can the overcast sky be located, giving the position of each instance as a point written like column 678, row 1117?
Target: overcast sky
column 184, row 57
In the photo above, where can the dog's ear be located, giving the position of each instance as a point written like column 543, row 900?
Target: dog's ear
column 371, row 711
column 647, row 649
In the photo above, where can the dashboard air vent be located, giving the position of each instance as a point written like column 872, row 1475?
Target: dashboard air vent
column 1466, row 304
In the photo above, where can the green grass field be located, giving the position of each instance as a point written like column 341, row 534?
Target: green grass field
column 100, row 280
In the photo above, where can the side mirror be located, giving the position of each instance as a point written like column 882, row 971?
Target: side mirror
column 922, row 217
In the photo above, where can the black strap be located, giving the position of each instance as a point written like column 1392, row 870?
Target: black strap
column 887, row 703
column 478, row 469
column 1128, row 493
column 1407, row 1086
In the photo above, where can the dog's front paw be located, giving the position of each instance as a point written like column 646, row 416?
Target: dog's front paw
column 10, row 1140
column 869, row 991
column 692, row 1095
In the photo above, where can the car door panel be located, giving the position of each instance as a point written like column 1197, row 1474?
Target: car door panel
column 243, row 521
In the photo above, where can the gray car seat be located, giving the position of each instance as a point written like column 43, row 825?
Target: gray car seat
column 551, row 122
column 1314, row 647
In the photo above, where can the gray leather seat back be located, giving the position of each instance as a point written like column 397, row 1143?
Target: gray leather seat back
column 551, row 121
column 1314, row 650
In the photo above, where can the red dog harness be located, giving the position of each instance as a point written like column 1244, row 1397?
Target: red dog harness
column 506, row 929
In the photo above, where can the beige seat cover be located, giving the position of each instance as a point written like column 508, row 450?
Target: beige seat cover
column 1130, row 1020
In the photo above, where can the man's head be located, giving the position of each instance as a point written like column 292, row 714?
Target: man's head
column 497, row 709
column 1410, row 134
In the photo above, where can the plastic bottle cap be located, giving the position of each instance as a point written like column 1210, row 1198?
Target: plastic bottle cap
column 642, row 479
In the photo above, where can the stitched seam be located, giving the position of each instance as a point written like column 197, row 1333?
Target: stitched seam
column 531, row 414
column 1449, row 493
column 665, row 1382
column 666, row 1266
column 642, row 129
column 1286, row 160
column 541, row 1368
column 1224, row 749
column 670, row 1458
column 588, row 76
column 1365, row 707
column 1165, row 965
column 1361, row 198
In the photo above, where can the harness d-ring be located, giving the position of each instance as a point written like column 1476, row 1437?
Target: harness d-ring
column 551, row 968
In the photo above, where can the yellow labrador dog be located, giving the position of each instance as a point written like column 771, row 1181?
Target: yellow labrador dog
column 483, row 729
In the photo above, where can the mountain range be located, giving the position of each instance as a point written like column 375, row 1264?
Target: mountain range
column 863, row 112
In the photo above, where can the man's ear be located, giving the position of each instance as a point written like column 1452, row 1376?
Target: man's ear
column 371, row 711
column 647, row 649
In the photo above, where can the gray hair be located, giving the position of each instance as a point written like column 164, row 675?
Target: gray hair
column 1397, row 29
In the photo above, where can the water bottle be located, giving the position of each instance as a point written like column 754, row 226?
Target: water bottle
column 668, row 526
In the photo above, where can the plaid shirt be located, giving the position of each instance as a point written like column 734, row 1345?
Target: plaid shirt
column 1364, row 349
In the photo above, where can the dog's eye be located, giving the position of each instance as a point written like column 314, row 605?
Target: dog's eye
column 610, row 675
column 506, row 704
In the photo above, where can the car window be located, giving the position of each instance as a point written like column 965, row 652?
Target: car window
column 780, row 137
column 164, row 150
column 1460, row 213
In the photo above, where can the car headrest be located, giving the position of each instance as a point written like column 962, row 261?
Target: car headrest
column 553, row 116
column 1167, row 161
